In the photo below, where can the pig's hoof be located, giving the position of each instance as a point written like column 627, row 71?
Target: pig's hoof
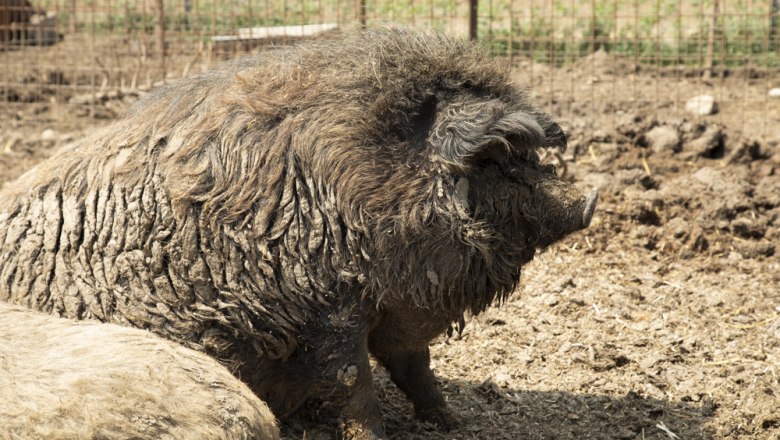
column 440, row 417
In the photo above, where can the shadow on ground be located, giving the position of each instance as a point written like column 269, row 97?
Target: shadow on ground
column 488, row 411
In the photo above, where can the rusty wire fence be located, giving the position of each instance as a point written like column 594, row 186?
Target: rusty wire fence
column 59, row 52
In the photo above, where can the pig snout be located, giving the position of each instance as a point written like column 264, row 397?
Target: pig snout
column 589, row 208
column 561, row 209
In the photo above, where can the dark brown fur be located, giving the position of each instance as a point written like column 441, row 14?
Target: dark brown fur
column 292, row 211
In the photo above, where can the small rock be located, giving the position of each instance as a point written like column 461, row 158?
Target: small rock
column 774, row 93
column 702, row 105
column 662, row 138
column 49, row 135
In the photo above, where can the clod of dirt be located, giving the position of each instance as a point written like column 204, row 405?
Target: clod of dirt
column 721, row 194
column 645, row 208
column 678, row 228
column 768, row 192
column 662, row 138
column 746, row 151
column 754, row 249
column 702, row 105
column 632, row 178
column 710, row 144
column 698, row 242
column 712, row 179
column 746, row 228
column 632, row 126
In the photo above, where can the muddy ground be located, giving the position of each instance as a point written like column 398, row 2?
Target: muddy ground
column 662, row 321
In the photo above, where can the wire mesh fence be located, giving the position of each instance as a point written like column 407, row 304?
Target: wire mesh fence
column 56, row 52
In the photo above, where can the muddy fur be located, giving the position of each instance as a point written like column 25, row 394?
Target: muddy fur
column 61, row 379
column 292, row 211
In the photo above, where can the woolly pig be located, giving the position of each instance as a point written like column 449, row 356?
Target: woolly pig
column 61, row 379
column 291, row 212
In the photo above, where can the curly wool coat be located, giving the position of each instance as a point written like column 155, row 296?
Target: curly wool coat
column 291, row 211
column 61, row 379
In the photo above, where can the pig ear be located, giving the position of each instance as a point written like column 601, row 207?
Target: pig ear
column 555, row 137
column 472, row 133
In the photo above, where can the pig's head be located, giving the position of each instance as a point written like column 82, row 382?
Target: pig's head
column 427, row 154
column 492, row 152
column 489, row 205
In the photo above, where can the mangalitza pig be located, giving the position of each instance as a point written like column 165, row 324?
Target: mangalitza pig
column 62, row 379
column 291, row 212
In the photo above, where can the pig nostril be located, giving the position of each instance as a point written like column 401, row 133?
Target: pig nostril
column 590, row 206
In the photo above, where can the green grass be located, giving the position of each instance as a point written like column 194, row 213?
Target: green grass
column 661, row 31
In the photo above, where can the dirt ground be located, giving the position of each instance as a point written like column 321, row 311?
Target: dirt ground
column 661, row 321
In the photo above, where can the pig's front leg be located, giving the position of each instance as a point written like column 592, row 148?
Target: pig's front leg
column 331, row 364
column 361, row 418
column 412, row 374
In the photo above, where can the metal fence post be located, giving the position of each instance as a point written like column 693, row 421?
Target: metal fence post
column 473, row 9
column 774, row 15
column 159, row 31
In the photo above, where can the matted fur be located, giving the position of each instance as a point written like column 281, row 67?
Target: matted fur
column 61, row 379
column 290, row 211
